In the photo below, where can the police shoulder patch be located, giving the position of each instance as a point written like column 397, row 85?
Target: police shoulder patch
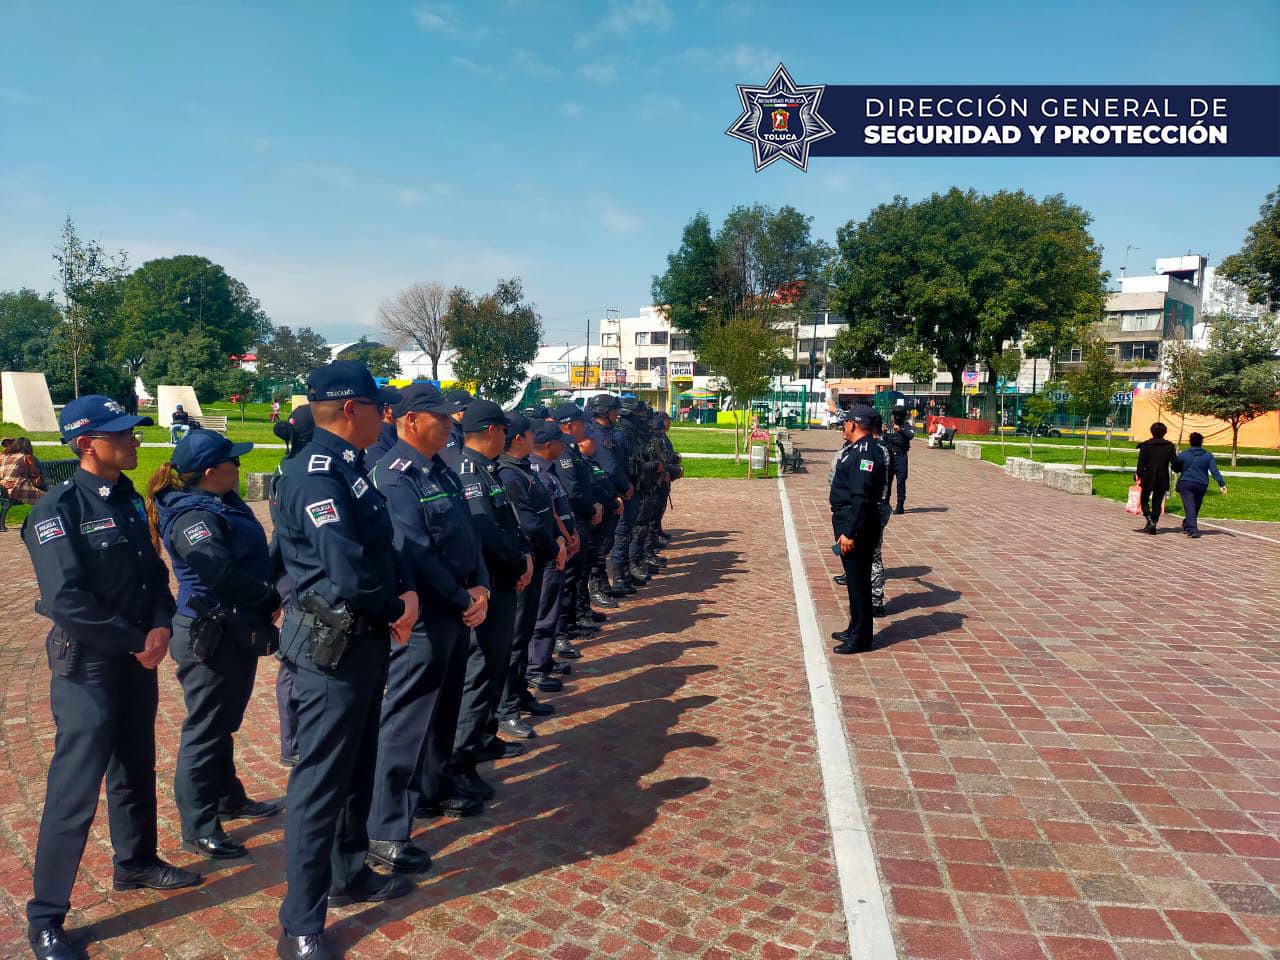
column 360, row 487
column 566, row 462
column 50, row 529
column 319, row 463
column 322, row 512
column 197, row 532
column 472, row 490
column 866, row 465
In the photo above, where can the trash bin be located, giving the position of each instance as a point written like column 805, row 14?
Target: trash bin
column 759, row 455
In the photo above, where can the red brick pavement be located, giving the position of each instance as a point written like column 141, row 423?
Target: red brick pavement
column 673, row 808
column 1068, row 735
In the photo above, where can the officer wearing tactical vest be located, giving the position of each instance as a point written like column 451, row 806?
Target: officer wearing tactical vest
column 435, row 539
column 574, row 474
column 510, row 568
column 351, row 595
column 107, row 592
column 226, row 599
column 538, row 522
column 856, row 489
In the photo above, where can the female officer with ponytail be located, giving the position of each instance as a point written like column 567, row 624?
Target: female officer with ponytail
column 226, row 599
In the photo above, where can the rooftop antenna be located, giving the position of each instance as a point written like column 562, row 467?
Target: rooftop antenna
column 1125, row 266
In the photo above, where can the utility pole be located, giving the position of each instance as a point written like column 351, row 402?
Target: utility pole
column 1125, row 266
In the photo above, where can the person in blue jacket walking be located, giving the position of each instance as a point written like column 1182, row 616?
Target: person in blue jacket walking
column 1195, row 464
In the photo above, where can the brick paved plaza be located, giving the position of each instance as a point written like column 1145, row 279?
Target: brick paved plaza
column 1067, row 742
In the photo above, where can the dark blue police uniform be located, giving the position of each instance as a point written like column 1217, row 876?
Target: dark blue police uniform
column 104, row 588
column 542, row 640
column 333, row 528
column 856, row 489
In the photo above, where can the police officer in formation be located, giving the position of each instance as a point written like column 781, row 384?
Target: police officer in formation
column 226, row 600
column 350, row 597
column 857, row 487
column 106, row 591
column 400, row 667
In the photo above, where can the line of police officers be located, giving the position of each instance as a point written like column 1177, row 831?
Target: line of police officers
column 399, row 667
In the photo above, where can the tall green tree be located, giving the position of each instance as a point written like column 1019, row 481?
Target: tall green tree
column 1239, row 376
column 691, row 280
column 287, row 357
column 195, row 359
column 91, row 283
column 27, row 319
column 1091, row 385
column 961, row 274
column 170, row 296
column 745, row 352
column 496, row 337
column 381, row 361
column 243, row 387
column 1038, row 408
column 1184, row 380
column 1257, row 266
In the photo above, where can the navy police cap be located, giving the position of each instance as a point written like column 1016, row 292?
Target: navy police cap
column 546, row 431
column 201, row 449
column 342, row 380
column 95, row 413
column 481, row 414
column 567, row 413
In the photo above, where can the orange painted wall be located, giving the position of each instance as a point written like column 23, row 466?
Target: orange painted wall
column 1264, row 431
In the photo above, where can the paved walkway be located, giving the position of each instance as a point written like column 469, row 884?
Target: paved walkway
column 1068, row 735
column 672, row 808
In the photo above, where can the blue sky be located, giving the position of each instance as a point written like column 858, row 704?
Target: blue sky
column 329, row 154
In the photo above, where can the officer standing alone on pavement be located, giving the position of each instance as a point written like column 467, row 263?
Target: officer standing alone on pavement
column 886, row 512
column 107, row 593
column 898, row 439
column 349, row 593
column 226, row 599
column 510, row 568
column 860, row 476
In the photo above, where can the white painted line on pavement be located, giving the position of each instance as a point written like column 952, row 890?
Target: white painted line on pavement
column 1238, row 533
column 866, row 916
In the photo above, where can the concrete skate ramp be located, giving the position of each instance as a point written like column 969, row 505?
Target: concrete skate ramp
column 27, row 402
column 170, row 397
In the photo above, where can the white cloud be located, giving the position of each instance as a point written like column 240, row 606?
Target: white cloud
column 530, row 64
column 344, row 178
column 438, row 17
column 571, row 109
column 754, row 64
column 479, row 69
column 623, row 16
column 598, row 72
column 614, row 218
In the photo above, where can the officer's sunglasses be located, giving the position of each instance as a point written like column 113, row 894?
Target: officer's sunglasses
column 131, row 436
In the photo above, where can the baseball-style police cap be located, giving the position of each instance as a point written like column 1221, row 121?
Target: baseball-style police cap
column 517, row 423
column 545, row 432
column 95, row 413
column 861, row 414
column 345, row 380
column 481, row 414
column 541, row 412
column 567, row 413
column 422, row 398
column 201, row 449
column 604, row 401
column 460, row 397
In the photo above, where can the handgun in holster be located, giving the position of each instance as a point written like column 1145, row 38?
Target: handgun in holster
column 207, row 629
column 62, row 651
column 328, row 629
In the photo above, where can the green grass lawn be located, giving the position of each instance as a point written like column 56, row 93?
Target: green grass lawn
column 1246, row 500
column 1098, row 456
column 723, row 469
column 703, row 442
column 256, row 426
column 1118, row 442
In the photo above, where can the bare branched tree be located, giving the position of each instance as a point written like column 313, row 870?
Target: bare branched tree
column 416, row 316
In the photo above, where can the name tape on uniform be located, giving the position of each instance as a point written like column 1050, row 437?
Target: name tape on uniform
column 94, row 526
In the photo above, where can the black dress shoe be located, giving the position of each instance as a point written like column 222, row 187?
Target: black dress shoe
column 601, row 599
column 566, row 651
column 156, row 876
column 621, row 588
column 455, row 807
column 399, row 856
column 248, row 810
column 841, row 635
column 310, row 947
column 51, row 943
column 846, row 647
column 517, row 728
column 217, row 846
column 546, row 684
column 500, row 749
column 370, row 887
column 841, row 579
column 536, row 708
column 559, row 669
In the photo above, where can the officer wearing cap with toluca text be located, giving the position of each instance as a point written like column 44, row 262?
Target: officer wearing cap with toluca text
column 574, row 474
column 856, row 489
column 226, row 600
column 351, row 596
column 106, row 591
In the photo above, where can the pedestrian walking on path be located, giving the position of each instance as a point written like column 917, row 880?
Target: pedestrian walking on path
column 1195, row 465
column 1155, row 457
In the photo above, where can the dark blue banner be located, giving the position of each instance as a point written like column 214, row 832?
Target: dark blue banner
column 1049, row 121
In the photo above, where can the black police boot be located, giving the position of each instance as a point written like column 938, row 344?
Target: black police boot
column 536, row 708
column 311, row 947
column 565, row 649
column 216, row 846
column 637, row 575
column 600, row 594
column 399, row 856
column 455, row 807
column 497, row 749
column 516, row 728
column 544, row 682
column 155, row 876
column 841, row 579
column 846, row 648
column 370, row 887
column 617, row 577
column 52, row 943
column 248, row 809
column 479, row 786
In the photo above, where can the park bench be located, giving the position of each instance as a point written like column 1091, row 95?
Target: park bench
column 218, row 424
column 948, row 438
column 788, row 456
column 55, row 472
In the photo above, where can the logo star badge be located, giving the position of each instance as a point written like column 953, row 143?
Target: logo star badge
column 349, row 456
column 780, row 120
column 104, row 491
column 113, row 406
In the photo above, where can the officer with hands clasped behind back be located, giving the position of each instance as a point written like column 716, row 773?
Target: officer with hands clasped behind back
column 349, row 592
column 226, row 599
column 435, row 540
column 856, row 489
column 107, row 593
